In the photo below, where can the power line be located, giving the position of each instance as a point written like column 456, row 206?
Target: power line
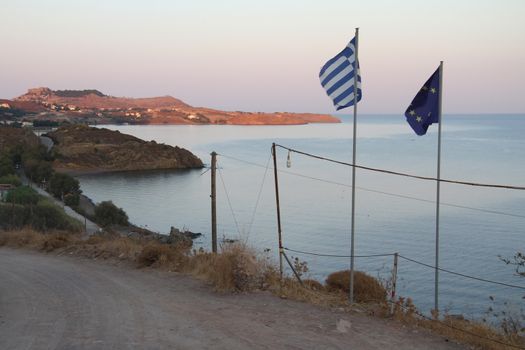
column 463, row 275
column 258, row 197
column 337, row 256
column 489, row 211
column 401, row 174
column 229, row 201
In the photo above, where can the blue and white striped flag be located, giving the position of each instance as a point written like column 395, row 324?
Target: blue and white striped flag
column 337, row 77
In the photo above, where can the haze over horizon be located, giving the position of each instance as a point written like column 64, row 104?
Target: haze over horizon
column 265, row 56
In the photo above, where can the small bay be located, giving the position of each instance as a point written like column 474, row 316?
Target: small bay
column 393, row 214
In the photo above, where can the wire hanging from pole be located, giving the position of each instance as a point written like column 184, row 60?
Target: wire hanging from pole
column 337, row 256
column 462, row 274
column 384, row 171
column 377, row 191
column 229, row 201
column 258, row 198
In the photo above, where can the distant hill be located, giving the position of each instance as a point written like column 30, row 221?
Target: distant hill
column 94, row 107
column 77, row 93
column 95, row 99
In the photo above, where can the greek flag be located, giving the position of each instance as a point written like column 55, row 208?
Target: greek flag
column 337, row 77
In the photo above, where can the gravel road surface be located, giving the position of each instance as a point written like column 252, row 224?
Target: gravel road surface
column 63, row 302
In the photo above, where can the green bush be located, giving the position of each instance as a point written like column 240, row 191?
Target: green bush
column 22, row 195
column 43, row 216
column 46, row 215
column 107, row 213
column 10, row 180
column 14, row 216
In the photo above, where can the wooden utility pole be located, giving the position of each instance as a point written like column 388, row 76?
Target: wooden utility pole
column 213, row 202
column 278, row 206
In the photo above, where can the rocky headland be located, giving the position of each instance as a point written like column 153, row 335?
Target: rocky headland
column 81, row 149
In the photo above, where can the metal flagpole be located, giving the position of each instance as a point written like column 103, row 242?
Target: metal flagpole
column 356, row 75
column 436, row 287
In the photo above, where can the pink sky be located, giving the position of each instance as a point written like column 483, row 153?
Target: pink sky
column 266, row 55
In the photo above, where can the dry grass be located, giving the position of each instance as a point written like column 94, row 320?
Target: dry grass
column 109, row 247
column 236, row 268
column 459, row 329
column 162, row 255
column 239, row 268
column 29, row 238
column 366, row 288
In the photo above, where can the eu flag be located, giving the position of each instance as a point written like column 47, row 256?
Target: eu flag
column 424, row 109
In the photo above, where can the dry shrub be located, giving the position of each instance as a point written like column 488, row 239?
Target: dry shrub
column 236, row 268
column 53, row 241
column 313, row 285
column 452, row 326
column 28, row 238
column 290, row 288
column 109, row 246
column 161, row 255
column 366, row 288
column 21, row 238
column 95, row 239
column 117, row 247
column 456, row 327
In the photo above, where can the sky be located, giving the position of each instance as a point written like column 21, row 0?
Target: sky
column 266, row 55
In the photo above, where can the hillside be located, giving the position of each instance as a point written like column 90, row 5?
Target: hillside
column 94, row 107
column 17, row 137
column 79, row 149
column 95, row 99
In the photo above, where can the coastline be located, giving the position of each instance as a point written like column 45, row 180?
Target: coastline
column 280, row 121
column 100, row 171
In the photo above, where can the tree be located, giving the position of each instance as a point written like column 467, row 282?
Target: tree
column 6, row 166
column 64, row 185
column 72, row 199
column 107, row 213
column 38, row 170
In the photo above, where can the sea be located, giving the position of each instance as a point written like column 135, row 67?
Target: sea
column 480, row 227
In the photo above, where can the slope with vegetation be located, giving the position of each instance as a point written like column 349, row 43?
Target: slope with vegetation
column 21, row 152
column 80, row 148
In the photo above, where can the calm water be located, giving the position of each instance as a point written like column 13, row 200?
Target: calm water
column 393, row 214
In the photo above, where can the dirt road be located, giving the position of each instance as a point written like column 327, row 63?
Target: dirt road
column 51, row 302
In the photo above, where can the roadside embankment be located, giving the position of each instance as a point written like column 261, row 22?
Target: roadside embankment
column 240, row 269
